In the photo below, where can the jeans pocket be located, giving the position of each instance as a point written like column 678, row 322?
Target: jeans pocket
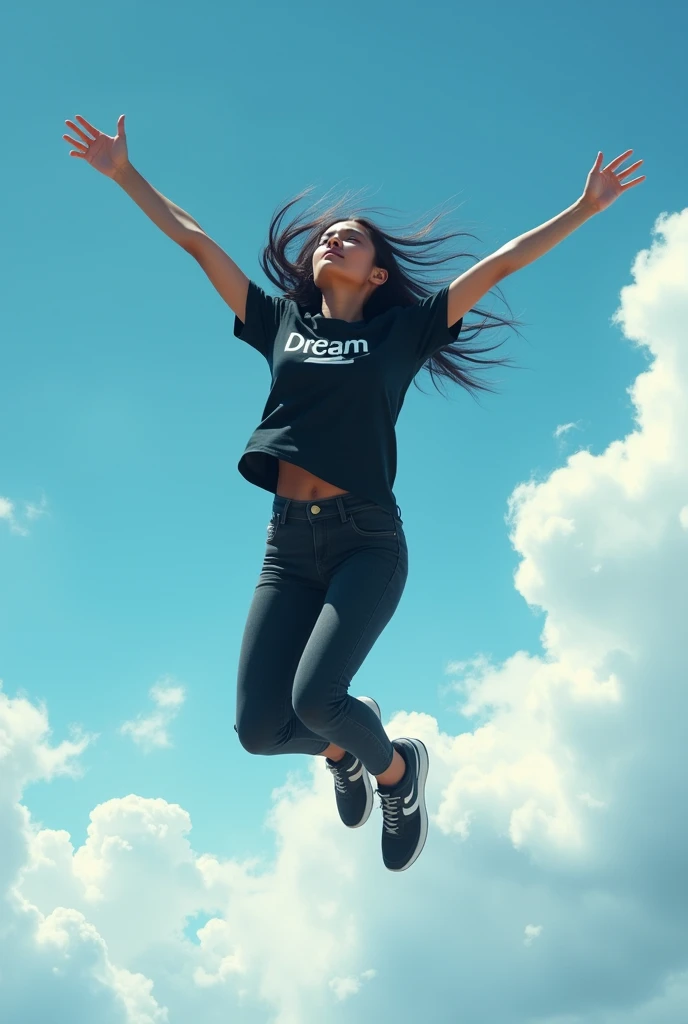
column 373, row 521
column 272, row 527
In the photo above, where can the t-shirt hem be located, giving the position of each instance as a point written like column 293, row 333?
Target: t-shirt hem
column 277, row 454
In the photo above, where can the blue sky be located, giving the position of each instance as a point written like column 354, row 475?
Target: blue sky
column 125, row 400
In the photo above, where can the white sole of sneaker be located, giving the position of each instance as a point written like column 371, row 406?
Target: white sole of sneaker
column 372, row 704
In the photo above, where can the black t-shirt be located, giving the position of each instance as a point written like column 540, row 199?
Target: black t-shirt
column 337, row 389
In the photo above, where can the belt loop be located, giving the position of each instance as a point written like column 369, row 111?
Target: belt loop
column 398, row 512
column 340, row 506
column 283, row 513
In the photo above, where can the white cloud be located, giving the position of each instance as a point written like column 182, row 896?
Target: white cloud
column 7, row 512
column 54, row 966
column 35, row 511
column 31, row 511
column 150, row 732
column 552, row 887
column 564, row 428
column 343, row 988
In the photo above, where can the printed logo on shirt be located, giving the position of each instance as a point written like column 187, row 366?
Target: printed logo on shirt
column 326, row 351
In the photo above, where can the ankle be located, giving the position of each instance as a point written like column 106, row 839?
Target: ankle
column 334, row 753
column 394, row 773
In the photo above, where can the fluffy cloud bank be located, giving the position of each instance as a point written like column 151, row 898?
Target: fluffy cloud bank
column 552, row 888
column 55, row 965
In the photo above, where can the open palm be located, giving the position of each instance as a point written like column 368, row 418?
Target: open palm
column 107, row 153
column 604, row 186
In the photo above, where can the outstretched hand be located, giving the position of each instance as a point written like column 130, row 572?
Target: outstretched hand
column 106, row 153
column 604, row 186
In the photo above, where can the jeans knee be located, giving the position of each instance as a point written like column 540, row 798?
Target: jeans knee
column 312, row 712
column 253, row 739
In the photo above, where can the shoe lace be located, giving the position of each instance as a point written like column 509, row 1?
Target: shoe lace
column 390, row 812
column 339, row 777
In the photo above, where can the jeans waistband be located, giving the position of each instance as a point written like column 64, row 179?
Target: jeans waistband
column 338, row 505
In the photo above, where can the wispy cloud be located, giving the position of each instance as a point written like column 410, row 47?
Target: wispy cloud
column 564, row 428
column 150, row 731
column 31, row 512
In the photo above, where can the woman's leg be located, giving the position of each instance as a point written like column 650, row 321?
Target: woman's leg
column 327, row 589
column 367, row 575
column 280, row 620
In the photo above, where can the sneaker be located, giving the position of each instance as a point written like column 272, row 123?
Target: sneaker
column 404, row 814
column 353, row 788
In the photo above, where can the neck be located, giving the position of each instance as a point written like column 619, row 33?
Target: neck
column 343, row 305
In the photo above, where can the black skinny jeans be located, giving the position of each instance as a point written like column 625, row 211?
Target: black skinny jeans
column 333, row 574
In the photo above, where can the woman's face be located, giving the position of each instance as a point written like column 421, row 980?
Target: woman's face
column 345, row 252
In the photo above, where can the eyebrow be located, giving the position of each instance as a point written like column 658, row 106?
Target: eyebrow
column 353, row 231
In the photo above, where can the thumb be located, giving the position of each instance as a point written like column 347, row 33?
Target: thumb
column 120, row 125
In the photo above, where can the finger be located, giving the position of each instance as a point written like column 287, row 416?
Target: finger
column 618, row 160
column 630, row 184
column 89, row 127
column 73, row 142
column 75, row 127
column 629, row 170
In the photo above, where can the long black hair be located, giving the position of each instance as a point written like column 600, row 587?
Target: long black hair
column 294, row 278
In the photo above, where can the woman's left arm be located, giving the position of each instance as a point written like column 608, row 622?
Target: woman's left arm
column 601, row 189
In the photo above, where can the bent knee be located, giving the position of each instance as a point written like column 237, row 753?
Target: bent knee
column 254, row 740
column 312, row 712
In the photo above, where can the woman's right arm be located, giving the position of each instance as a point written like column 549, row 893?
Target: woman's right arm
column 109, row 155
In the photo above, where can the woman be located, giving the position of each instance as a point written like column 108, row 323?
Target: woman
column 344, row 340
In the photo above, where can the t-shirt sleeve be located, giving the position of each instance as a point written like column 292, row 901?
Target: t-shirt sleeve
column 428, row 324
column 263, row 315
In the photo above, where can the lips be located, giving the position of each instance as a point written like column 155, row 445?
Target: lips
column 331, row 252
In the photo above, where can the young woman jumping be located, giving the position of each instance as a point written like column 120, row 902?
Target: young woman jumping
column 344, row 339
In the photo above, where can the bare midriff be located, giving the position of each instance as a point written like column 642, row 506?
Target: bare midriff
column 300, row 485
